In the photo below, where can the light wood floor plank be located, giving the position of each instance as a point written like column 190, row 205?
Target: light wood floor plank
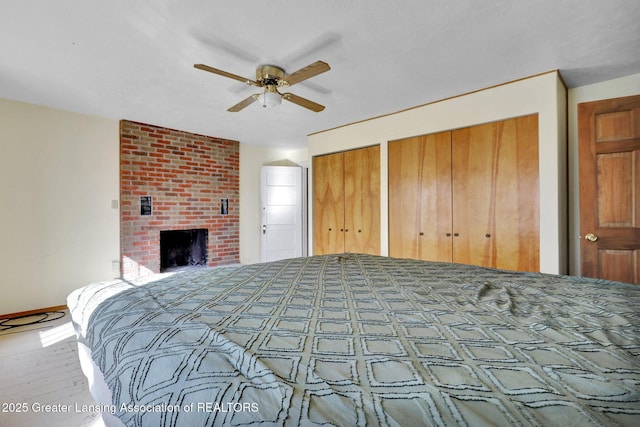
column 39, row 366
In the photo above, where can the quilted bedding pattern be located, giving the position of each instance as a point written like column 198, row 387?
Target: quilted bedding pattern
column 355, row 340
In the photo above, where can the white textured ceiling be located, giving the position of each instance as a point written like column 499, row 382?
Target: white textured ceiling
column 130, row 59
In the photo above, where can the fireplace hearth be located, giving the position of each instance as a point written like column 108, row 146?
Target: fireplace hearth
column 180, row 248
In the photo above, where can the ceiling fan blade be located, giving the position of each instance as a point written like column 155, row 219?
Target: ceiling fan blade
column 303, row 102
column 245, row 102
column 309, row 71
column 225, row 74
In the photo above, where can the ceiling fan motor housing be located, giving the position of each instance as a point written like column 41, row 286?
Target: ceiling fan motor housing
column 270, row 75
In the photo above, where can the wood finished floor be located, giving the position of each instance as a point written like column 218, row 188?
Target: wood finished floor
column 39, row 366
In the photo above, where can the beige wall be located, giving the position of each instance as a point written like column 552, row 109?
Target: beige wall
column 617, row 88
column 58, row 177
column 252, row 158
column 543, row 94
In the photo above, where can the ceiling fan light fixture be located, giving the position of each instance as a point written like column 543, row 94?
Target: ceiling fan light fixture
column 270, row 98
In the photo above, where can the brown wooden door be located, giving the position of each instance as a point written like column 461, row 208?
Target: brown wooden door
column 609, row 154
column 420, row 197
column 496, row 194
column 362, row 200
column 328, row 204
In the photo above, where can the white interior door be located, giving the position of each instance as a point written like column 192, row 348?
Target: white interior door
column 282, row 212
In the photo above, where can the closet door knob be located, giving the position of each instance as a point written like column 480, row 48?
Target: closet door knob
column 448, row 234
column 591, row 237
column 421, row 233
column 456, row 234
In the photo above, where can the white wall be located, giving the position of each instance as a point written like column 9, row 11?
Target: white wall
column 617, row 88
column 252, row 158
column 543, row 94
column 58, row 230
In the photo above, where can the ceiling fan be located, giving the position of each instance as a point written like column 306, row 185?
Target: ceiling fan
column 271, row 77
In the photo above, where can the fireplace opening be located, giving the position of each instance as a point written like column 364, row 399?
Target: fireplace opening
column 183, row 248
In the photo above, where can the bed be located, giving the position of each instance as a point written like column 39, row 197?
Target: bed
column 355, row 340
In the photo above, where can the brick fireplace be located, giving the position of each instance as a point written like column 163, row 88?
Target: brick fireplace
column 175, row 180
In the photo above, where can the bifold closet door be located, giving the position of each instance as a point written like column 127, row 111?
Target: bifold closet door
column 328, row 204
column 420, row 197
column 496, row 194
column 362, row 200
column 346, row 202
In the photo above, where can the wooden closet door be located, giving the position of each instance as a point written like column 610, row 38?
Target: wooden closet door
column 328, row 204
column 420, row 197
column 362, row 200
column 496, row 194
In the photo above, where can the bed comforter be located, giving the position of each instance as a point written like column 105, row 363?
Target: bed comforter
column 354, row 340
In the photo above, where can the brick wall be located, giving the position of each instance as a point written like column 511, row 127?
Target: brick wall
column 186, row 176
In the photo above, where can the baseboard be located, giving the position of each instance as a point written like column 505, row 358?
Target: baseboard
column 33, row 312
